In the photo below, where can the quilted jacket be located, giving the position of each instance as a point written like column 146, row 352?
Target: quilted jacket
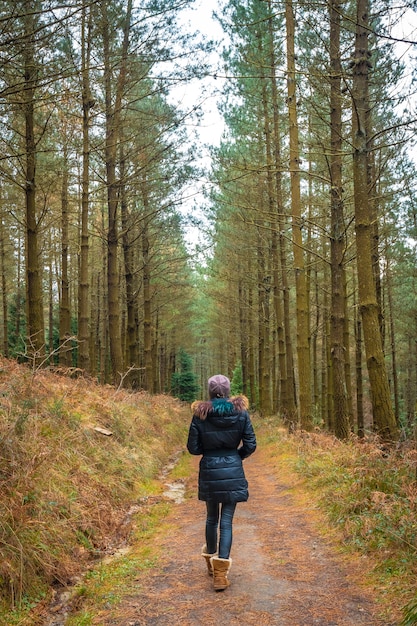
column 222, row 432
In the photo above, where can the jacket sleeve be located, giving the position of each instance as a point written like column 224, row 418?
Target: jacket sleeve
column 194, row 444
column 248, row 446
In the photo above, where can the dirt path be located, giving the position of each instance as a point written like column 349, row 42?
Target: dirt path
column 282, row 573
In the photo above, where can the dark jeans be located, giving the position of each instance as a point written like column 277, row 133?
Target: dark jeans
column 225, row 511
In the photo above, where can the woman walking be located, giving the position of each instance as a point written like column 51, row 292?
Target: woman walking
column 221, row 431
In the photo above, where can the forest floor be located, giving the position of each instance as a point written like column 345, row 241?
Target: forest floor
column 286, row 568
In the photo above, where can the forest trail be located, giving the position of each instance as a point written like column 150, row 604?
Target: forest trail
column 283, row 572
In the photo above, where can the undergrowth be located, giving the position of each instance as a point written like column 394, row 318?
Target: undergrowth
column 368, row 493
column 67, row 486
column 108, row 583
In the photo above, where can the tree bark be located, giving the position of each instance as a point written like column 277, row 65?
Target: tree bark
column 393, row 346
column 147, row 308
column 50, row 301
column 132, row 344
column 34, row 299
column 243, row 324
column 5, row 341
column 346, row 343
column 83, row 285
column 384, row 419
column 360, row 421
column 287, row 406
column 337, row 241
column 251, row 359
column 65, row 358
column 303, row 350
column 266, row 380
column 113, row 114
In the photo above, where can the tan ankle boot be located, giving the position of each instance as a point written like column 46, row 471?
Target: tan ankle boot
column 221, row 568
column 208, row 556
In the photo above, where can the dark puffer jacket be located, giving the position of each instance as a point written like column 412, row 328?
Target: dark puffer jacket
column 221, row 430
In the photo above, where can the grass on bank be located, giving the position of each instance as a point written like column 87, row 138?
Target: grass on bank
column 111, row 580
column 106, row 585
column 67, row 483
column 369, row 496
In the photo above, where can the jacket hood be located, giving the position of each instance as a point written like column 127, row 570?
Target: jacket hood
column 220, row 409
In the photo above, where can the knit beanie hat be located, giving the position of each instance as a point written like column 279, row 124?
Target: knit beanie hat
column 219, row 386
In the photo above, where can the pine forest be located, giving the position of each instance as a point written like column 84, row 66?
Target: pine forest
column 299, row 279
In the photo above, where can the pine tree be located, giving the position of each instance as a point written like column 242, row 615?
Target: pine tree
column 381, row 398
column 184, row 382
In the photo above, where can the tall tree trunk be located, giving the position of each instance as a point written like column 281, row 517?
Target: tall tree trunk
column 314, row 346
column 34, row 300
column 132, row 348
column 325, row 374
column 146, row 282
column 384, row 419
column 346, row 343
column 18, row 315
column 360, row 419
column 102, row 313
column 291, row 404
column 279, row 256
column 411, row 386
column 64, row 309
column 337, row 241
column 309, row 258
column 50, row 302
column 94, row 327
column 286, row 358
column 267, row 379
column 5, row 341
column 281, row 402
column 243, row 324
column 155, row 345
column 113, row 115
column 393, row 342
column 303, row 350
column 373, row 211
column 264, row 345
column 323, row 304
column 252, row 335
column 163, row 363
column 329, row 381
column 263, row 317
column 83, row 286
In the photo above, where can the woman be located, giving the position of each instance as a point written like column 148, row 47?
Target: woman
column 221, row 430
